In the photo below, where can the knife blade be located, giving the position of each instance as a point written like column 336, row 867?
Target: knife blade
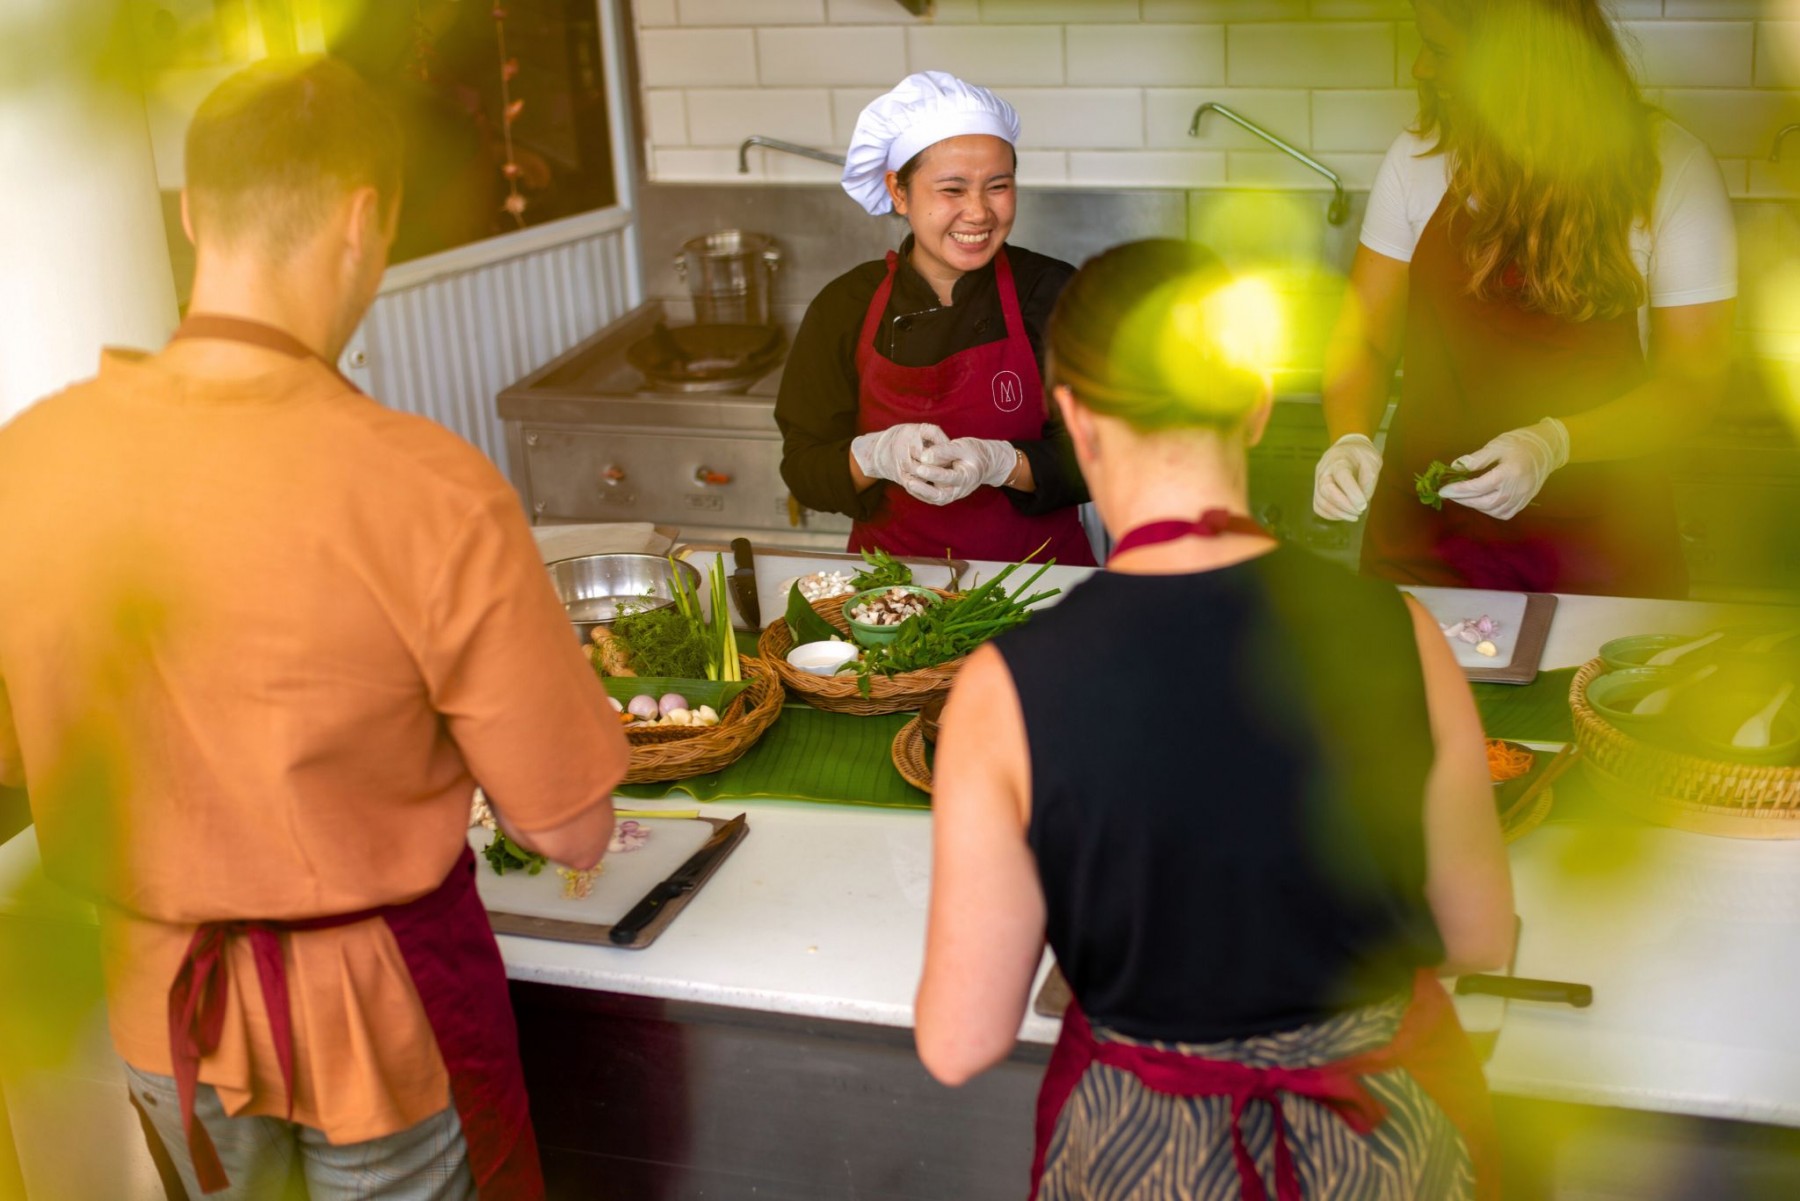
column 682, row 880
column 743, row 582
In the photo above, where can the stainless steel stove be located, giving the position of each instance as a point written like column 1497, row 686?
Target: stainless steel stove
column 590, row 439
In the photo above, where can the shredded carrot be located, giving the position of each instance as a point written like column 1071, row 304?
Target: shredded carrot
column 1506, row 761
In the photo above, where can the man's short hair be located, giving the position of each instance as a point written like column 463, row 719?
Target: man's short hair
column 275, row 147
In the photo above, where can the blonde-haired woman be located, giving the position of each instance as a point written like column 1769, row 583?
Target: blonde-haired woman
column 1510, row 244
column 1247, row 849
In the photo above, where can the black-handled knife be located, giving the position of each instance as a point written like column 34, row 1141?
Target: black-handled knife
column 743, row 582
column 682, row 880
column 1523, row 988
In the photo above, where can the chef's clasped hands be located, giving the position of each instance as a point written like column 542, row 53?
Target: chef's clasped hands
column 1506, row 473
column 932, row 466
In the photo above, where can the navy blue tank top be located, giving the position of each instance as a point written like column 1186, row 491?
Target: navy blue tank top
column 1227, row 794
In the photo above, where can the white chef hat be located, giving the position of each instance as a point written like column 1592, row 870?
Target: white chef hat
column 922, row 111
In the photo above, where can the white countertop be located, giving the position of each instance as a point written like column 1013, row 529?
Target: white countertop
column 1692, row 946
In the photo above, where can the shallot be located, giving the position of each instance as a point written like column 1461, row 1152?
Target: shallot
column 1472, row 630
column 628, row 836
column 644, row 707
column 670, row 702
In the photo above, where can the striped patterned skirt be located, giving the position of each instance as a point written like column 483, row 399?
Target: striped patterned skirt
column 1119, row 1140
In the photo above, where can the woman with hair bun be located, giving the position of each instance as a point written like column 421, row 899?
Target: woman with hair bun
column 1249, row 852
column 1512, row 244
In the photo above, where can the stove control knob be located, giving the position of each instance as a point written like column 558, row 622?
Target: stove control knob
column 612, row 475
column 711, row 478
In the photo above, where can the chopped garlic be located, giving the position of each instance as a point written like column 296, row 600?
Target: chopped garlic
column 822, row 585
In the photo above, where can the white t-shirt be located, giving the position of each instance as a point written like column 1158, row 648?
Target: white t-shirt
column 1688, row 254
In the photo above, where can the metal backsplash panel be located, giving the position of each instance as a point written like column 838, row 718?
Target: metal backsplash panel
column 446, row 348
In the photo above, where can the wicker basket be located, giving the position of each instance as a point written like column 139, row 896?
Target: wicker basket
column 710, row 748
column 1689, row 792
column 911, row 758
column 901, row 693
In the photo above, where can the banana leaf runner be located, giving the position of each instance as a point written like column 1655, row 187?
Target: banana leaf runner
column 810, row 755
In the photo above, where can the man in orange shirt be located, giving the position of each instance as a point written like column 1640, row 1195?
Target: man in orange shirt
column 260, row 638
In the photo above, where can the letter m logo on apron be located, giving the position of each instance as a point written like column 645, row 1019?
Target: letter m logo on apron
column 1009, row 391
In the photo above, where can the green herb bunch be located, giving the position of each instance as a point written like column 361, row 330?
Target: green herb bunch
column 1435, row 477
column 662, row 642
column 954, row 628
column 883, row 571
column 504, row 855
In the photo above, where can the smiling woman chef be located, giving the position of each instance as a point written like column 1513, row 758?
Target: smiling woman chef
column 1509, row 244
column 913, row 399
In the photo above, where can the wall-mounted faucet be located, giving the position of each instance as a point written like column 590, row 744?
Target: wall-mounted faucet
column 1775, row 150
column 1340, row 200
column 756, row 139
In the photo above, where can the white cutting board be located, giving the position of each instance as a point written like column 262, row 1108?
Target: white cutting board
column 628, row 875
column 1450, row 605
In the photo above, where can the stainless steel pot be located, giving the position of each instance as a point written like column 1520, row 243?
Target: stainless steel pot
column 729, row 274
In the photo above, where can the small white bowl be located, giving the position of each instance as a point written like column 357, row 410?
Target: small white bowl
column 822, row 658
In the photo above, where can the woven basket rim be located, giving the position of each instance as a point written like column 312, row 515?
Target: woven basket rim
column 1679, row 778
column 841, row 694
column 908, row 754
column 745, row 720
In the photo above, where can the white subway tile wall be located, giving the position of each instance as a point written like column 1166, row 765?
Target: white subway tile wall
column 1107, row 88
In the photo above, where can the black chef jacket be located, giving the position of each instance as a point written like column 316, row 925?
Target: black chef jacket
column 816, row 409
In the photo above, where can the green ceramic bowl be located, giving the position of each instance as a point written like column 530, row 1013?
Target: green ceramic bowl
column 1612, row 695
column 1715, row 721
column 870, row 635
column 1622, row 654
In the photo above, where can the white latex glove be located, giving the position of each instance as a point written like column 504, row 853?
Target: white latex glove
column 1344, row 478
column 961, row 465
column 893, row 453
column 1513, row 467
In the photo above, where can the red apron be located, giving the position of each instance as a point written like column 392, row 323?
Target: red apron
column 1476, row 368
column 449, row 951
column 988, row 391
column 1430, row 1045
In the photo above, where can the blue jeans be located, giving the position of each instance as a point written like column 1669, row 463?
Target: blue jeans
column 426, row 1162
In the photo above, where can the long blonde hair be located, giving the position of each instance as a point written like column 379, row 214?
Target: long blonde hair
column 1552, row 155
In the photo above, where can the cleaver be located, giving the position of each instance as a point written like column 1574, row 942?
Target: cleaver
column 743, row 583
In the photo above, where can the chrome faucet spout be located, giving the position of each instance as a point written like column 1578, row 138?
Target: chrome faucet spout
column 757, row 139
column 1775, row 150
column 1339, row 211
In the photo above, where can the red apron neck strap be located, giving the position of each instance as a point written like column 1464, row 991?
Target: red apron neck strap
column 1009, row 295
column 865, row 341
column 220, row 328
column 1212, row 524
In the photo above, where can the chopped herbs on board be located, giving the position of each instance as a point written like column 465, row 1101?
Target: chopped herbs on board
column 504, row 855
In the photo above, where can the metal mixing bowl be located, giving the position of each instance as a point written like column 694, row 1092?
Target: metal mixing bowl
column 593, row 587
